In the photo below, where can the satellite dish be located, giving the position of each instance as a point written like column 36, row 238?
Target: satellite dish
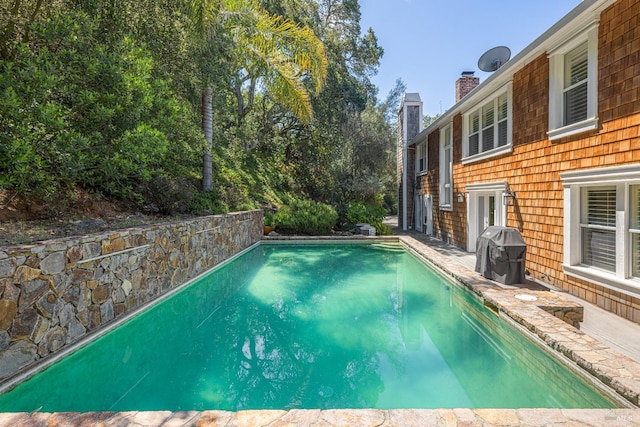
column 494, row 58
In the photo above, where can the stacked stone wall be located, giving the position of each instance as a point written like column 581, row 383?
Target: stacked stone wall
column 54, row 293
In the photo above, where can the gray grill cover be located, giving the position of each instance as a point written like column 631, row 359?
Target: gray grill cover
column 500, row 255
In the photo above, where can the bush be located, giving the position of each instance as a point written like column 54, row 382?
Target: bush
column 79, row 111
column 306, row 217
column 168, row 195
column 371, row 214
column 207, row 202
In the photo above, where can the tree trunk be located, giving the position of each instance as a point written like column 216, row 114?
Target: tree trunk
column 207, row 127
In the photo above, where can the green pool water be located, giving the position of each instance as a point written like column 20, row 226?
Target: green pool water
column 309, row 326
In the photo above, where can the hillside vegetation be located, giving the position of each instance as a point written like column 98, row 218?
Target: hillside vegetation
column 174, row 107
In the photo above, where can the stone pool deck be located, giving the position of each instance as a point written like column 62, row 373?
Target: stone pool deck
column 550, row 318
column 335, row 418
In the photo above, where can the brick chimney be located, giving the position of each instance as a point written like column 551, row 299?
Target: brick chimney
column 466, row 84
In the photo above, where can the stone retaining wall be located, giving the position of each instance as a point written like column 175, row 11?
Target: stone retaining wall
column 54, row 293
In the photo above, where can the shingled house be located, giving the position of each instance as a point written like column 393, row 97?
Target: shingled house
column 549, row 144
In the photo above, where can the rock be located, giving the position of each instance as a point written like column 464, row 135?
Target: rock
column 17, row 356
column 174, row 258
column 74, row 254
column 72, row 295
column 91, row 250
column 24, row 323
column 32, row 291
column 75, row 330
column 106, row 311
column 90, row 225
column 5, row 340
column 53, row 341
column 83, row 317
column 46, row 305
column 7, row 267
column 33, row 262
column 25, row 274
column 66, row 314
column 138, row 217
column 80, row 275
column 94, row 316
column 8, row 290
column 118, row 295
column 118, row 244
column 84, row 299
column 126, row 287
column 119, row 309
column 40, row 329
column 62, row 281
column 8, row 310
column 53, row 263
column 100, row 294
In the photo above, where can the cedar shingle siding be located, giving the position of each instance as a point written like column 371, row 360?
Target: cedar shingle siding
column 534, row 166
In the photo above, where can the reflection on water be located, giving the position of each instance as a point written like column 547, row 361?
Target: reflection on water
column 325, row 326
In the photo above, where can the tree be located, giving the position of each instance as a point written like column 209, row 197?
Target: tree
column 271, row 51
column 428, row 119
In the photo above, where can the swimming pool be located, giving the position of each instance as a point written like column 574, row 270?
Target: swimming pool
column 309, row 326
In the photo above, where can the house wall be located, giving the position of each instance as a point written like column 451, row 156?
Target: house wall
column 618, row 139
column 533, row 169
column 55, row 293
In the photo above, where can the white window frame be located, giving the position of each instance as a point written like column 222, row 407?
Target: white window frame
column 446, row 170
column 478, row 109
column 622, row 177
column 557, row 129
column 421, row 153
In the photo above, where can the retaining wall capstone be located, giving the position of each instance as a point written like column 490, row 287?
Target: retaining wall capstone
column 54, row 293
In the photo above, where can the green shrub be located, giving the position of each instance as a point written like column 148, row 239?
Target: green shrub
column 306, row 217
column 77, row 110
column 371, row 214
column 207, row 202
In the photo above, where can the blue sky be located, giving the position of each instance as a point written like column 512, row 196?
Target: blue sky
column 429, row 43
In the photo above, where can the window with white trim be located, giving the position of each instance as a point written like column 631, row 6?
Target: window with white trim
column 634, row 229
column 487, row 129
column 602, row 227
column 421, row 158
column 573, row 85
column 446, row 168
column 598, row 225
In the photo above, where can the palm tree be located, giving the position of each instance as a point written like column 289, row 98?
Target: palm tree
column 275, row 54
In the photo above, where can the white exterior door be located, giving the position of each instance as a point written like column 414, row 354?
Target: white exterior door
column 428, row 214
column 485, row 208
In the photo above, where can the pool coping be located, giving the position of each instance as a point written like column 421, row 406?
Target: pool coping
column 619, row 372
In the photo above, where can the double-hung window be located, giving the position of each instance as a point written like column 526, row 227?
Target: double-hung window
column 634, row 229
column 602, row 227
column 573, row 85
column 421, row 158
column 487, row 128
column 446, row 168
column 598, row 225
